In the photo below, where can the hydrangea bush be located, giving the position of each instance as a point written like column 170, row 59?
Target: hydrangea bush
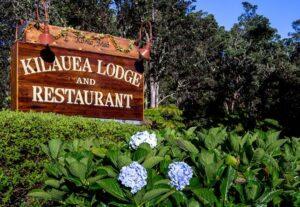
column 207, row 168
column 143, row 137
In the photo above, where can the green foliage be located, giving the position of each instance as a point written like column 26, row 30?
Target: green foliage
column 213, row 75
column 164, row 117
column 21, row 135
column 254, row 169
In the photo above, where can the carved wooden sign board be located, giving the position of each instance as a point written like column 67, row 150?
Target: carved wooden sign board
column 92, row 75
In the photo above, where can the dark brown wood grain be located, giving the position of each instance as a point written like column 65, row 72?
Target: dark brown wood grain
column 22, row 85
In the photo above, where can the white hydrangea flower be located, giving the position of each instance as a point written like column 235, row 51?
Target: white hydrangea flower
column 143, row 137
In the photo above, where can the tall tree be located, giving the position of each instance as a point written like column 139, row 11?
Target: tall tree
column 91, row 15
column 167, row 18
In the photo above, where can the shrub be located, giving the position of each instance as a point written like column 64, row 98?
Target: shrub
column 21, row 134
column 165, row 117
column 255, row 169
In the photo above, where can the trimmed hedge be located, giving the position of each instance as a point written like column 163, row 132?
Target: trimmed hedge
column 21, row 134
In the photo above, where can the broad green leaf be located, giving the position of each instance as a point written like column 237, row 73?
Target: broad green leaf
column 112, row 186
column 51, row 195
column 113, row 155
column 54, row 147
column 40, row 194
column 45, row 149
column 123, row 160
column 268, row 196
column 96, row 178
column 190, row 131
column 108, row 169
column 239, row 189
column 252, row 189
column 78, row 169
column 205, row 195
column 235, row 142
column 213, row 137
column 163, row 150
column 187, row 146
column 207, row 157
column 120, row 204
column 180, row 198
column 53, row 183
column 53, row 170
column 74, row 180
column 140, row 154
column 152, row 161
column 193, row 203
column 164, row 181
column 98, row 151
column 154, row 193
column 56, row 194
column 227, row 182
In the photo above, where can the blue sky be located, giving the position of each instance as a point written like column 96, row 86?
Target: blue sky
column 280, row 12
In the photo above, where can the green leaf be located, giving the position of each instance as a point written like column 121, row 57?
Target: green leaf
column 98, row 151
column 74, row 180
column 227, row 182
column 53, row 183
column 120, row 204
column 45, row 149
column 239, row 189
column 94, row 179
column 190, row 131
column 108, row 169
column 140, row 154
column 206, row 195
column 154, row 193
column 163, row 182
column 163, row 150
column 193, row 203
column 152, row 161
column 40, row 194
column 180, row 198
column 78, row 169
column 123, row 161
column 113, row 155
column 51, row 195
column 112, row 186
column 252, row 189
column 54, row 147
column 268, row 196
column 56, row 194
column 187, row 146
column 235, row 141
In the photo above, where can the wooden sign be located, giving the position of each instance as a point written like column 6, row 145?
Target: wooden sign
column 93, row 83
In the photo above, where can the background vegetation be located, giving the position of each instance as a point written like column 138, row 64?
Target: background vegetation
column 215, row 76
column 205, row 75
column 231, row 167
column 21, row 135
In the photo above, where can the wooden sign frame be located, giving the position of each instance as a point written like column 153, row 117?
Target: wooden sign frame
column 81, row 83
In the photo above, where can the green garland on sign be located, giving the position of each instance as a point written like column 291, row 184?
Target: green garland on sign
column 88, row 38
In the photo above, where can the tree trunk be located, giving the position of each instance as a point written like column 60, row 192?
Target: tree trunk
column 154, row 92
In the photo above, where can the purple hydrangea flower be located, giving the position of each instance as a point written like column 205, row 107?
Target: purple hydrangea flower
column 143, row 137
column 180, row 174
column 133, row 176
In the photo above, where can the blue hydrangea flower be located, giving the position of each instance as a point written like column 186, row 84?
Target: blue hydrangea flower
column 133, row 176
column 143, row 137
column 180, row 174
